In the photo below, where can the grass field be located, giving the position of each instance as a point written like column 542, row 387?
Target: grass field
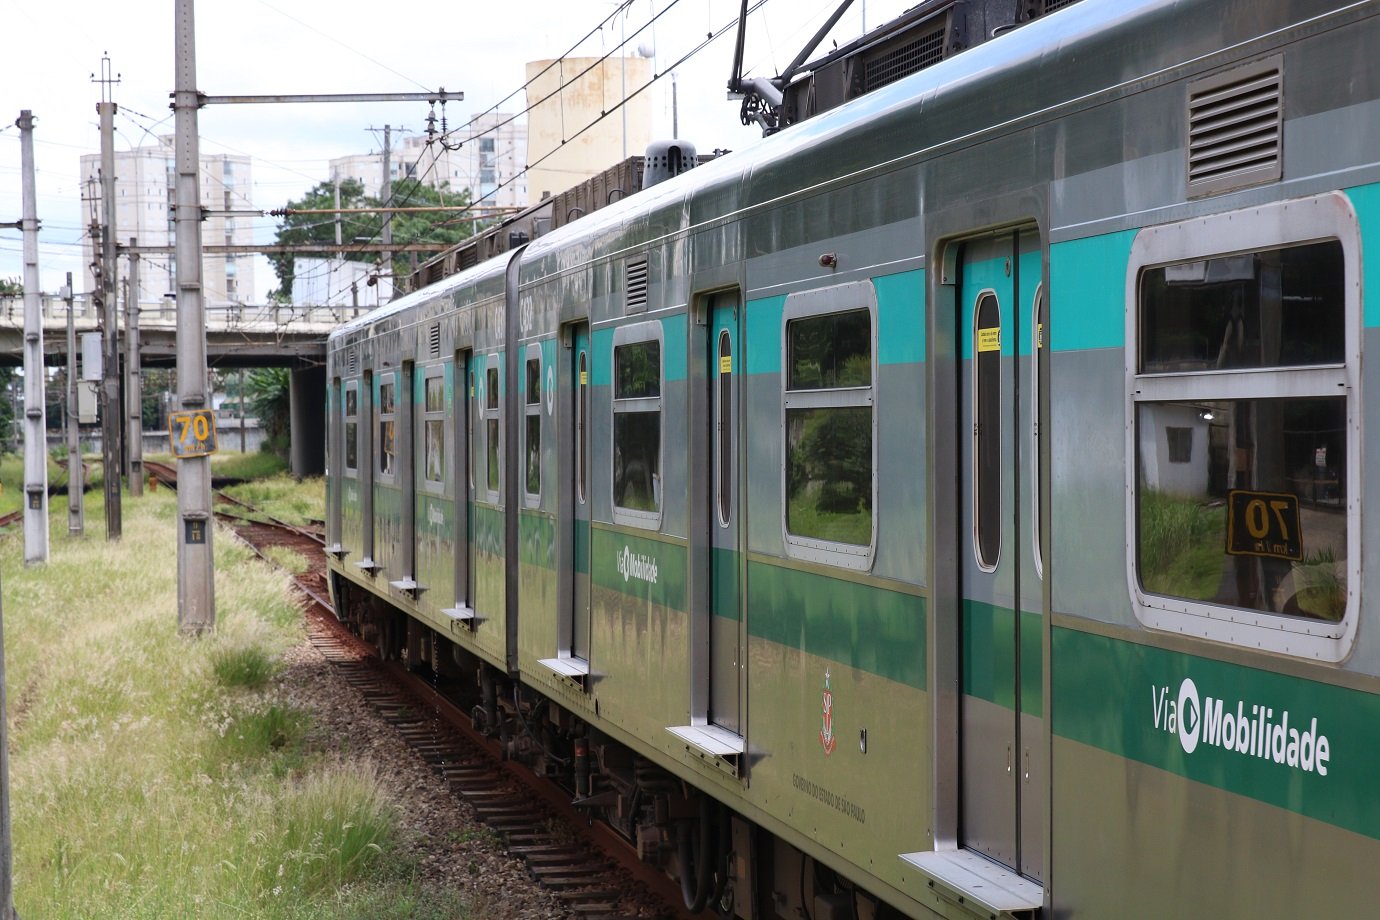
column 156, row 776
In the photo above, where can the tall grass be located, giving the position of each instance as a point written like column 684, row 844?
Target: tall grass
column 1180, row 545
column 155, row 776
column 285, row 498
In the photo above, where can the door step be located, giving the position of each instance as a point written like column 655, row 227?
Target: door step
column 977, row 884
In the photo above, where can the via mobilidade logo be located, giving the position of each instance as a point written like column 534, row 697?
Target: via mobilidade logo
column 1248, row 729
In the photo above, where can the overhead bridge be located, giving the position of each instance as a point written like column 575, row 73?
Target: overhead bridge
column 237, row 335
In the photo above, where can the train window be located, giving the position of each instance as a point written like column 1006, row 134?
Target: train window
column 532, row 409
column 434, row 407
column 637, row 423
column 352, row 427
column 388, row 415
column 987, row 430
column 582, row 428
column 1243, row 362
column 830, row 481
column 492, row 447
column 1038, row 372
column 724, row 423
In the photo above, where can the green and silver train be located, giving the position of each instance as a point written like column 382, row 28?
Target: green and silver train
column 953, row 505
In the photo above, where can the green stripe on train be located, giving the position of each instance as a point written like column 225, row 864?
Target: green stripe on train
column 863, row 626
column 1178, row 712
column 989, row 658
column 867, row 627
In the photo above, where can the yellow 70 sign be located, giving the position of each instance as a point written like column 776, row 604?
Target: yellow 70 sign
column 193, row 434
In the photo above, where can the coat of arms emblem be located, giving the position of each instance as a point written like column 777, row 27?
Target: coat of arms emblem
column 826, row 718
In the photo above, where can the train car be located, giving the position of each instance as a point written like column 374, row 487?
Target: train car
column 950, row 506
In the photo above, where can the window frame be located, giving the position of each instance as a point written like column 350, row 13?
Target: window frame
column 488, row 413
column 977, row 389
column 842, row 298
column 1277, row 225
column 633, row 334
column 351, row 388
column 531, row 408
column 387, row 378
column 429, row 416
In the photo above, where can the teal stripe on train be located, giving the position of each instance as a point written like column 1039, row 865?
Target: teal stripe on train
column 900, row 324
column 1087, row 291
column 1366, row 200
column 1176, row 712
column 673, row 332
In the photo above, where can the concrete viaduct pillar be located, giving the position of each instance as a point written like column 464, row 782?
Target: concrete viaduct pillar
column 307, row 402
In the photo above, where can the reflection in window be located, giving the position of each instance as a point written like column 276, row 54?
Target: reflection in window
column 1274, row 308
column 533, row 412
column 829, row 475
column 352, row 428
column 387, row 428
column 1279, row 544
column 637, row 426
column 435, row 429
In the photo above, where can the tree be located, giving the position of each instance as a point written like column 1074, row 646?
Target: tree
column 11, row 287
column 426, row 226
column 408, row 227
column 267, row 392
column 296, row 229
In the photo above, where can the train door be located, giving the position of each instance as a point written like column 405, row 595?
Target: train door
column 725, row 554
column 1001, row 812
column 578, row 637
column 462, row 475
column 406, row 439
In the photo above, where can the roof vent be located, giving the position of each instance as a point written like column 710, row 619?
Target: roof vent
column 666, row 160
column 1234, row 128
column 637, row 286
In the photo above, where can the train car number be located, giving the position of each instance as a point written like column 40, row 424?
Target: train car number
column 193, row 434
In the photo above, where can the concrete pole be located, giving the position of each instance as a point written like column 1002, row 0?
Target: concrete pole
column 242, row 435
column 35, row 405
column 196, row 601
column 7, row 911
column 110, row 321
column 134, row 380
column 76, row 515
column 339, row 252
column 385, row 195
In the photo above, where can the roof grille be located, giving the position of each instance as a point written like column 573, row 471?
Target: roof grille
column 1234, row 127
column 926, row 50
column 637, row 286
column 433, row 340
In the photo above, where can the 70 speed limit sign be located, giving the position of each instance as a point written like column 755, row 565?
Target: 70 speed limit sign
column 193, row 434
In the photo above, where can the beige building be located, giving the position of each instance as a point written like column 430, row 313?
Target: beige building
column 145, row 181
column 568, row 124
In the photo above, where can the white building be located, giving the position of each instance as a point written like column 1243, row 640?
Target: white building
column 492, row 150
column 145, row 190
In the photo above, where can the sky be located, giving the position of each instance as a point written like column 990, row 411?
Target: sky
column 345, row 46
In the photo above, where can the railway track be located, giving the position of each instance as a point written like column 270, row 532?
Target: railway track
column 595, row 874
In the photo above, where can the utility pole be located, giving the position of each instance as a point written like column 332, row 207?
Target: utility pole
column 110, row 351
column 76, row 516
column 134, row 381
column 242, row 435
column 35, row 405
column 386, row 195
column 339, row 252
column 196, row 601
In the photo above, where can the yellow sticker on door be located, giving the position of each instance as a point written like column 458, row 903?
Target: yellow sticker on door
column 989, row 339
